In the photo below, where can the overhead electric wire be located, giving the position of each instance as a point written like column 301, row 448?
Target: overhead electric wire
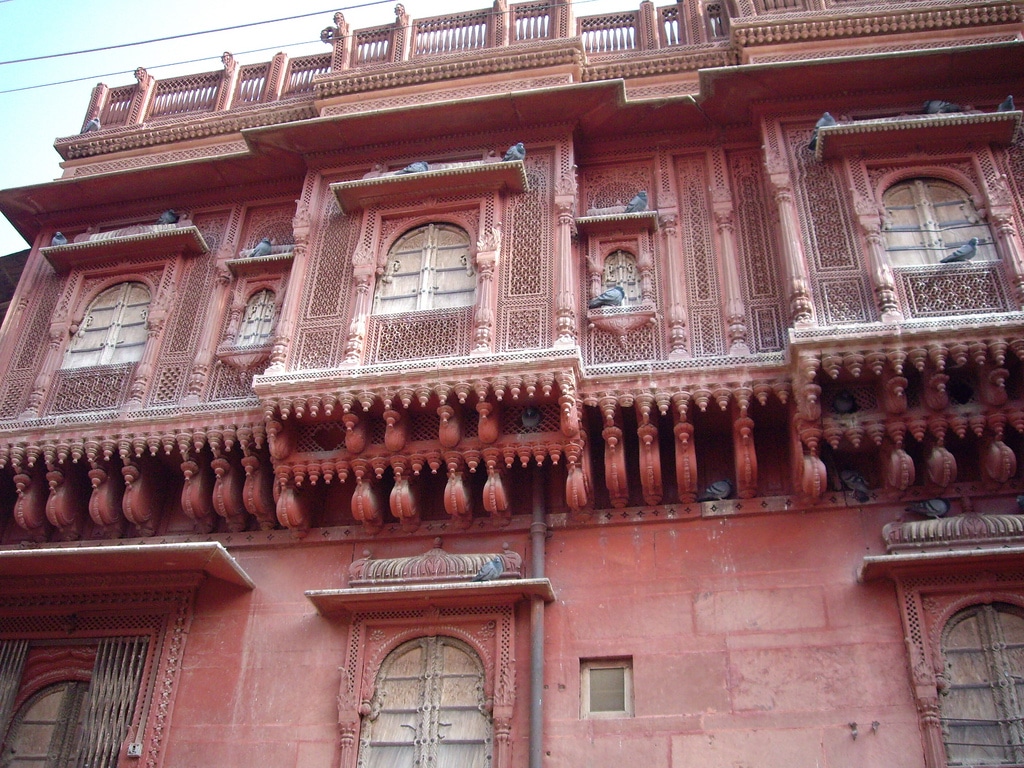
column 188, row 34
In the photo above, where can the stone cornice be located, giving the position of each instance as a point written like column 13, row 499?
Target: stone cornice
column 957, row 530
column 803, row 27
column 435, row 565
column 664, row 61
column 184, row 128
column 557, row 53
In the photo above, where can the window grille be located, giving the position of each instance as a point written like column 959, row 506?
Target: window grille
column 428, row 268
column 113, row 329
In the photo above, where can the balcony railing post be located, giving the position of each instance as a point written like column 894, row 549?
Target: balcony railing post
column 228, row 80
column 275, row 77
column 562, row 20
column 338, row 37
column 137, row 113
column 499, row 28
column 97, row 103
column 647, row 37
column 400, row 39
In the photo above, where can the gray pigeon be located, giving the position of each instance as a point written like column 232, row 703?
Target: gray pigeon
column 58, row 239
column 823, row 122
column 939, row 107
column 613, row 297
column 854, row 482
column 1020, row 502
column 934, row 508
column 92, row 125
column 170, row 216
column 515, row 152
column 718, row 490
column 844, row 402
column 418, row 167
column 964, row 253
column 491, row 570
column 262, row 249
column 638, row 203
column 1006, row 105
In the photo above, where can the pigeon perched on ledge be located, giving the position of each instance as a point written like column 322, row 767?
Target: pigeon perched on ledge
column 856, row 484
column 262, row 248
column 1006, row 105
column 58, row 239
column 964, row 253
column 92, row 125
column 844, row 402
column 934, row 508
column 823, row 122
column 613, row 297
column 170, row 216
column 491, row 570
column 638, row 203
column 418, row 167
column 717, row 491
column 940, row 107
column 515, row 152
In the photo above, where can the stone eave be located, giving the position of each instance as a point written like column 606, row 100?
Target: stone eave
column 185, row 240
column 466, row 177
column 187, row 127
column 664, row 61
column 566, row 53
column 905, row 133
column 272, row 388
column 125, row 560
column 730, row 95
column 875, row 567
column 828, row 25
column 644, row 221
column 345, row 602
column 873, row 336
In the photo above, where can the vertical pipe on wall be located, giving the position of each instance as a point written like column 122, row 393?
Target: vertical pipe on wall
column 538, row 534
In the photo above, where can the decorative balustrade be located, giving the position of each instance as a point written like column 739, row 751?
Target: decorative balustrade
column 408, row 39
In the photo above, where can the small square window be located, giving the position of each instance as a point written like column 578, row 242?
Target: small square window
column 606, row 688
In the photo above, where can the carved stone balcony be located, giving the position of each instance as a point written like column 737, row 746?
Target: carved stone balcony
column 475, row 176
column 621, row 321
column 602, row 222
column 140, row 241
column 260, row 265
column 907, row 132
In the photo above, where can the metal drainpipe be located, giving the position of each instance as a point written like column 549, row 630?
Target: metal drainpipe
column 538, row 535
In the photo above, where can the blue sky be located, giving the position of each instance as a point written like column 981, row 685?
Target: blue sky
column 30, row 120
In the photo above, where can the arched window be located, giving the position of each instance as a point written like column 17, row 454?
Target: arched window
column 113, row 329
column 44, row 731
column 620, row 269
column 428, row 268
column 983, row 648
column 428, row 708
column 258, row 320
column 927, row 219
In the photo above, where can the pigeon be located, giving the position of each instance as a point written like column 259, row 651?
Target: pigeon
column 855, row 482
column 58, row 239
column 491, row 570
column 94, row 125
column 1006, row 105
column 934, row 508
column 844, row 402
column 964, row 253
column 613, row 297
column 262, row 249
column 1020, row 502
column 638, row 203
column 515, row 152
column 938, row 107
column 718, row 490
column 170, row 216
column 418, row 167
column 530, row 417
column 823, row 122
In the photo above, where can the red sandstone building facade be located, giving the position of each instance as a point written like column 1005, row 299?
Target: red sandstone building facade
column 246, row 488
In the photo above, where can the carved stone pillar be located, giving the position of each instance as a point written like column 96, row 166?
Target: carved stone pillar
column 488, row 248
column 338, row 38
column 798, row 292
column 362, row 275
column 1008, row 244
column 615, row 476
column 878, row 262
column 293, row 291
column 650, row 450
column 144, row 370
column 735, row 312
column 140, row 100
column 228, row 80
column 208, row 342
column 673, row 289
column 59, row 332
column 565, row 302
